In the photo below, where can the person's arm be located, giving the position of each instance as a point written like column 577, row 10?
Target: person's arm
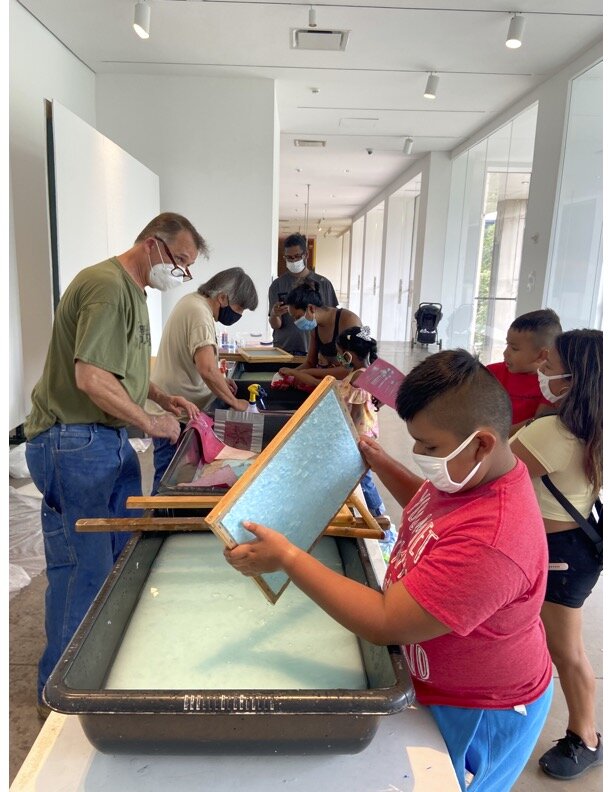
column 308, row 376
column 107, row 393
column 535, row 468
column 313, row 376
column 312, row 356
column 541, row 409
column 348, row 319
column 401, row 482
column 177, row 405
column 392, row 617
column 206, row 363
column 276, row 309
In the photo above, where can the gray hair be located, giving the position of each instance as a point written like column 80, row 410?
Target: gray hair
column 167, row 225
column 234, row 282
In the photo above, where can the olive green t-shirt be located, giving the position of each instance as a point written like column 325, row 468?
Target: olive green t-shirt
column 102, row 319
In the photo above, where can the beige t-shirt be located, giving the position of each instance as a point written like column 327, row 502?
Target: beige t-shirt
column 562, row 454
column 190, row 326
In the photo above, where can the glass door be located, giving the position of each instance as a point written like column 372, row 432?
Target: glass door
column 396, row 298
column 370, row 292
column 356, row 266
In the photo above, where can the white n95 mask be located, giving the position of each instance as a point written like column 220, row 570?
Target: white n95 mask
column 543, row 381
column 160, row 277
column 434, row 468
column 295, row 267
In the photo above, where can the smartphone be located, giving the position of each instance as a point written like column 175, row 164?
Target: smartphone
column 282, row 296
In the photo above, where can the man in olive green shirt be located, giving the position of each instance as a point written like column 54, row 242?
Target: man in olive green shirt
column 94, row 384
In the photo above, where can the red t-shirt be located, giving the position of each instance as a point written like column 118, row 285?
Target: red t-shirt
column 523, row 389
column 478, row 562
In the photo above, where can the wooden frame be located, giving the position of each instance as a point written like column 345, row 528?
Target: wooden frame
column 299, row 481
column 260, row 354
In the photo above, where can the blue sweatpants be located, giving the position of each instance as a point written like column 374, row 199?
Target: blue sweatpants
column 494, row 745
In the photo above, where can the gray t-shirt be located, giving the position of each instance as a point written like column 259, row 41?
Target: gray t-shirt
column 288, row 337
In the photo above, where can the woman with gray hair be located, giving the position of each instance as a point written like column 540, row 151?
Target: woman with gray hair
column 188, row 350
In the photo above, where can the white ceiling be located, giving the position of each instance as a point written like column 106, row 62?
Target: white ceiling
column 369, row 96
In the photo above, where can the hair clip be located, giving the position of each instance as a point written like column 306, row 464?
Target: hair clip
column 364, row 333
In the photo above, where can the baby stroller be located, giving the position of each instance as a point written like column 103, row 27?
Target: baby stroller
column 427, row 317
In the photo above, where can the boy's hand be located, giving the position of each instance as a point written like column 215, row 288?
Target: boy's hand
column 269, row 552
column 372, row 452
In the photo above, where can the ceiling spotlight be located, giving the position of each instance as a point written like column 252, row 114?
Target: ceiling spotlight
column 432, row 86
column 142, row 17
column 515, row 31
column 408, row 144
column 312, row 17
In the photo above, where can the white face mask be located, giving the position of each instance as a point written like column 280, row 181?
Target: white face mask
column 160, row 275
column 434, row 468
column 295, row 266
column 545, row 387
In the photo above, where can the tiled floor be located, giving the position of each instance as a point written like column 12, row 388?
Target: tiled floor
column 26, row 631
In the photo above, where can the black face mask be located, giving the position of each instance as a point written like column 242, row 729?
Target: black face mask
column 227, row 316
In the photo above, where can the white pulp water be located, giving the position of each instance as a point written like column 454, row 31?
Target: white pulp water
column 199, row 624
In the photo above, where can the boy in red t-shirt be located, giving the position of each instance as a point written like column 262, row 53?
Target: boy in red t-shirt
column 466, row 578
column 529, row 338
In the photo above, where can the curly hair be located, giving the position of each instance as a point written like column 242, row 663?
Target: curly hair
column 353, row 340
column 307, row 293
column 581, row 410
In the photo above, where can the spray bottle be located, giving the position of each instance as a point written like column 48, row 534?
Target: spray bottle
column 253, row 394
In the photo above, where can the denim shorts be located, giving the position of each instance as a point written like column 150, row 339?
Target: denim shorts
column 573, row 568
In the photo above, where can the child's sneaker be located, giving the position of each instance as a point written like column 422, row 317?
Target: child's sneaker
column 571, row 757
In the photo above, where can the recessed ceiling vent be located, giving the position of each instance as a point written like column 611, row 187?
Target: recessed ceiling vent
column 313, row 143
column 311, row 39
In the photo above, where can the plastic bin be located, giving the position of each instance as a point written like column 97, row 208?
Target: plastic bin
column 216, row 721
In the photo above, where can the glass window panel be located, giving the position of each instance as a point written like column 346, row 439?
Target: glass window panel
column 486, row 221
column 574, row 278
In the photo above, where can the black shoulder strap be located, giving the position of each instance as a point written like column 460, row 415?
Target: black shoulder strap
column 574, row 513
column 337, row 322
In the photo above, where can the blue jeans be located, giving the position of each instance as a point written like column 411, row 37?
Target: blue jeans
column 372, row 497
column 494, row 745
column 82, row 470
column 163, row 452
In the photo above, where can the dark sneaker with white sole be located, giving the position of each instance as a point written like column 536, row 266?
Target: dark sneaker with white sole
column 571, row 757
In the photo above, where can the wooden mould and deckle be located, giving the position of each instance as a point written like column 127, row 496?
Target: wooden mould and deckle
column 298, row 482
column 264, row 355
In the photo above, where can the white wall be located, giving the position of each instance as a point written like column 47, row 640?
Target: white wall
column 40, row 68
column 17, row 401
column 431, row 229
column 329, row 260
column 213, row 143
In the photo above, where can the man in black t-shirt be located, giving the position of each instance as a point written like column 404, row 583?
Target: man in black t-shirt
column 285, row 333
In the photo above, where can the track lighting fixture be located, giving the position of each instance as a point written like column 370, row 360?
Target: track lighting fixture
column 432, row 86
column 312, row 17
column 142, row 18
column 515, row 31
column 408, row 144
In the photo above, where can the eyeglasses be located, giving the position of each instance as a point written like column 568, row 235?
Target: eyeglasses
column 177, row 269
